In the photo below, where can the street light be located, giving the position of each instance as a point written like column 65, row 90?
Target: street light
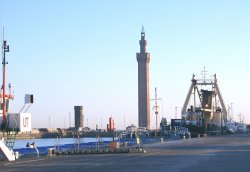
column 218, row 109
column 175, row 112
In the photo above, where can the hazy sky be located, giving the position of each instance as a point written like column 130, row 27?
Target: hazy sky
column 83, row 52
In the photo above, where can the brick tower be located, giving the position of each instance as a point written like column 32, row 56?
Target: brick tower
column 78, row 117
column 143, row 59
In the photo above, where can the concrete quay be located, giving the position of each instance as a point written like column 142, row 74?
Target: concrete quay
column 219, row 153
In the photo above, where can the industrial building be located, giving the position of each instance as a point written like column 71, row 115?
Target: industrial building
column 111, row 124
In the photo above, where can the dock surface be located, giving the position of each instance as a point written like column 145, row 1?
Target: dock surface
column 218, row 153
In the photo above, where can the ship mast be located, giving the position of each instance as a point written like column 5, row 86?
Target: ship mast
column 5, row 48
column 156, row 108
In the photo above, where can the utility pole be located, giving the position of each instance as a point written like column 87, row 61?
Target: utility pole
column 49, row 122
column 124, row 123
column 64, row 123
column 69, row 120
column 232, row 115
column 101, row 124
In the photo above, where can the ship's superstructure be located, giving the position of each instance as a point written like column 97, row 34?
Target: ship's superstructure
column 204, row 106
column 11, row 123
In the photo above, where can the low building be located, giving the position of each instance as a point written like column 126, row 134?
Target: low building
column 132, row 128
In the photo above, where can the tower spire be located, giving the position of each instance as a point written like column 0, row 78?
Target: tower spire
column 143, row 42
column 142, row 30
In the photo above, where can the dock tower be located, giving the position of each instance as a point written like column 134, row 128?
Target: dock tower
column 204, row 106
column 143, row 59
column 78, row 117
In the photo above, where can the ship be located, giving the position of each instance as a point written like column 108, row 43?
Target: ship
column 204, row 110
column 11, row 123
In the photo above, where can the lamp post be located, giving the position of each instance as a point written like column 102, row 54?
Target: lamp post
column 219, row 110
column 220, row 122
column 175, row 112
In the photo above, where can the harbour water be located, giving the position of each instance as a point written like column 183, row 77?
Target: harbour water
column 55, row 141
column 62, row 144
column 72, row 144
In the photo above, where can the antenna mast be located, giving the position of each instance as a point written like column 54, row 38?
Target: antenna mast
column 204, row 74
